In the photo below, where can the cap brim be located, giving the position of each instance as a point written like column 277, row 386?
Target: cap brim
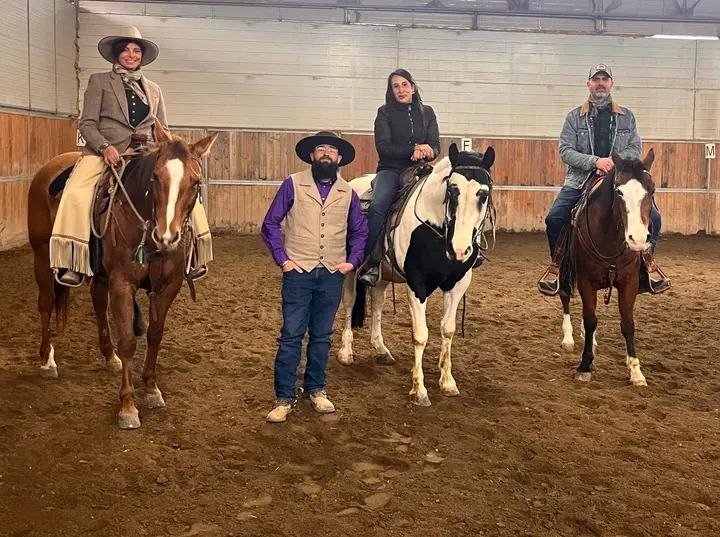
column 306, row 146
column 106, row 44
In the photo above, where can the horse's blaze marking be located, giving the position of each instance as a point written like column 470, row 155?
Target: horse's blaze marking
column 633, row 195
column 176, row 170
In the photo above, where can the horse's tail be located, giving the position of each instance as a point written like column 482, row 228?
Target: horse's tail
column 358, row 312
column 138, row 324
column 62, row 299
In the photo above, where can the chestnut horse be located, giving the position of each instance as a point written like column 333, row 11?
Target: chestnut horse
column 608, row 237
column 145, row 246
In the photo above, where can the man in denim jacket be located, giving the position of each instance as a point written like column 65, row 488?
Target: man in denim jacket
column 590, row 133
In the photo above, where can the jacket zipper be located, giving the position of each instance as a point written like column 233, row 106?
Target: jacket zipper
column 412, row 125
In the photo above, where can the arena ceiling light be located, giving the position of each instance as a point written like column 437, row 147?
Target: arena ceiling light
column 690, row 37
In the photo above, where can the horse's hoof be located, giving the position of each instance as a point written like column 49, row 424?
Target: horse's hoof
column 113, row 365
column 639, row 382
column 154, row 400
column 128, row 421
column 453, row 392
column 568, row 347
column 583, row 376
column 385, row 359
column 49, row 372
column 419, row 400
column 346, row 360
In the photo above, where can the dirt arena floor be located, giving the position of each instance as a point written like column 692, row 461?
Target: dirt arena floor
column 524, row 451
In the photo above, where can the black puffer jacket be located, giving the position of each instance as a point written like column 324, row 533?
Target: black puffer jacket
column 398, row 128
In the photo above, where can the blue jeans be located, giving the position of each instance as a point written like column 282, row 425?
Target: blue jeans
column 559, row 216
column 385, row 186
column 310, row 301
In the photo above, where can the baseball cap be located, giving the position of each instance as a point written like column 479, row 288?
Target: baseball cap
column 600, row 68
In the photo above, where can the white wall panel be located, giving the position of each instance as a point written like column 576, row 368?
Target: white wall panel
column 37, row 55
column 240, row 73
column 42, row 55
column 14, row 69
column 65, row 57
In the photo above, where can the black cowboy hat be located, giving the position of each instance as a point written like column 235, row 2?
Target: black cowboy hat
column 307, row 145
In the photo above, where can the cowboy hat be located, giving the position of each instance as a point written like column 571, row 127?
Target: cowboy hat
column 128, row 33
column 307, row 145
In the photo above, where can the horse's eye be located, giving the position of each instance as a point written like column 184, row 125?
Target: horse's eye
column 620, row 192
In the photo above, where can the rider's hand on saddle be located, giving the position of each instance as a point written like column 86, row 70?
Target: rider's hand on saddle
column 417, row 154
column 344, row 268
column 111, row 156
column 604, row 165
column 290, row 265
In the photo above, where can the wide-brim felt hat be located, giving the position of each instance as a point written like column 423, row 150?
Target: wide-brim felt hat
column 128, row 33
column 307, row 145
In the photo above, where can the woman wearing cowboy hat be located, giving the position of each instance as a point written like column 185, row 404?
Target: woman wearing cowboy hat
column 119, row 111
column 323, row 238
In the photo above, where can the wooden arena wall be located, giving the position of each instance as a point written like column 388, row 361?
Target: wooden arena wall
column 245, row 168
column 27, row 141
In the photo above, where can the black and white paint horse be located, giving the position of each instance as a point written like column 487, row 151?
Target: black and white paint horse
column 434, row 246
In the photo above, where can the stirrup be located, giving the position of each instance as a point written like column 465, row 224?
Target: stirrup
column 550, row 286
column 198, row 273
column 70, row 278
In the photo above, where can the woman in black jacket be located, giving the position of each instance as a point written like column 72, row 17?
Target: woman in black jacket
column 406, row 132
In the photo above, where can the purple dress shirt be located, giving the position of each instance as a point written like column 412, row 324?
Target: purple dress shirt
column 271, row 232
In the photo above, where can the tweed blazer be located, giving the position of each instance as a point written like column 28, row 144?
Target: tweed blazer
column 105, row 116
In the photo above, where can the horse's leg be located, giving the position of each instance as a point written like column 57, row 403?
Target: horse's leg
column 46, row 299
column 451, row 301
column 589, row 302
column 594, row 338
column 377, row 298
column 418, row 393
column 345, row 355
column 161, row 305
column 626, row 304
column 100, row 294
column 568, row 343
column 121, row 299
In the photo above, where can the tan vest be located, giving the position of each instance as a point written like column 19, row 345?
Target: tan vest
column 316, row 233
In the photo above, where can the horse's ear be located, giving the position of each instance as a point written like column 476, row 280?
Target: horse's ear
column 202, row 148
column 488, row 158
column 453, row 153
column 617, row 159
column 649, row 159
column 160, row 135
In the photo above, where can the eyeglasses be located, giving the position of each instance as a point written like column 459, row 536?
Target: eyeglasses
column 327, row 149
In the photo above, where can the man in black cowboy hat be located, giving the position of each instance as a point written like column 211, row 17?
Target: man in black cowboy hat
column 323, row 239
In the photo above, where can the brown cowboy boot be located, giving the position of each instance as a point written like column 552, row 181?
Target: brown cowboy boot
column 656, row 282
column 549, row 282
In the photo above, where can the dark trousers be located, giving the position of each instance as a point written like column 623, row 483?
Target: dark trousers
column 559, row 216
column 310, row 301
column 385, row 187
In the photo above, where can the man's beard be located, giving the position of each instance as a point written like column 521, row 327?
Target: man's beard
column 600, row 97
column 324, row 170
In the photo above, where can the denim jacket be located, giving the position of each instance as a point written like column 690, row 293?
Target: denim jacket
column 578, row 136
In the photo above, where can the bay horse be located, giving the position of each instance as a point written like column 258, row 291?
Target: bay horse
column 149, row 215
column 610, row 232
column 431, row 244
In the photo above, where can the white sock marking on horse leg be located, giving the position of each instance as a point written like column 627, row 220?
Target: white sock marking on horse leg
column 176, row 170
column 420, row 337
column 568, row 342
column 636, row 376
column 377, row 294
column 50, row 363
column 345, row 354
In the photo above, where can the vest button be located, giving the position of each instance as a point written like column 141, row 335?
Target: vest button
column 321, row 247
column 321, row 257
column 322, row 225
column 322, row 236
column 323, row 214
